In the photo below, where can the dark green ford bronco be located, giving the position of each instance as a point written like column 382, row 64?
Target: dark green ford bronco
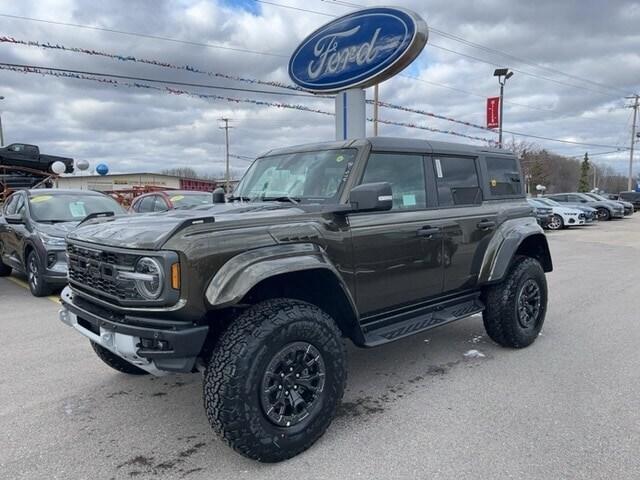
column 369, row 240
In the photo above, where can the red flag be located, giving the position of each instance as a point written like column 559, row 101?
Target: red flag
column 493, row 112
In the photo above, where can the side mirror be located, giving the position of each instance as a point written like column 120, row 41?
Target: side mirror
column 14, row 219
column 218, row 195
column 371, row 197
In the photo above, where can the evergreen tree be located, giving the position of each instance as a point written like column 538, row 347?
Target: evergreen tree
column 585, row 167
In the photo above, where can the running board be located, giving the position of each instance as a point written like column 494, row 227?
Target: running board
column 405, row 324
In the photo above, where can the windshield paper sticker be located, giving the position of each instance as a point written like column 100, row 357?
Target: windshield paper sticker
column 439, row 168
column 77, row 209
column 40, row 198
column 177, row 198
column 409, row 200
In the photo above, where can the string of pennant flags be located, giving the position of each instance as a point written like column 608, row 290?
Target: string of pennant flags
column 157, row 63
column 170, row 90
column 208, row 96
column 428, row 114
column 194, row 69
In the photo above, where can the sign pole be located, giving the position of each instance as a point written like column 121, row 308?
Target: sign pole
column 351, row 114
column 376, row 98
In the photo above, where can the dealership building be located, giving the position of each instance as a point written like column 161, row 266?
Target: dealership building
column 129, row 181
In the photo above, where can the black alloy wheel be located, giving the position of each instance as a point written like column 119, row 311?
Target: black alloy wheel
column 293, row 384
column 603, row 214
column 37, row 284
column 528, row 304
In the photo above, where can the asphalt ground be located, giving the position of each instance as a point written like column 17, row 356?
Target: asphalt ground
column 568, row 407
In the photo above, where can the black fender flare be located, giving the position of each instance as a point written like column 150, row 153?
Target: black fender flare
column 512, row 235
column 244, row 271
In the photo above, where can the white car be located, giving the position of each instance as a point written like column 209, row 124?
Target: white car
column 563, row 217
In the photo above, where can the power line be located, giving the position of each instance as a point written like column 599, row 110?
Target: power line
column 494, row 51
column 473, row 94
column 154, row 80
column 144, row 35
column 523, row 72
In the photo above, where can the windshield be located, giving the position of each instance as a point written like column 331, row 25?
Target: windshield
column 71, row 207
column 548, row 201
column 190, row 200
column 303, row 176
column 596, row 196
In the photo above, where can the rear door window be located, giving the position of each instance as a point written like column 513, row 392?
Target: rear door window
column 503, row 176
column 160, row 204
column 457, row 181
column 147, row 204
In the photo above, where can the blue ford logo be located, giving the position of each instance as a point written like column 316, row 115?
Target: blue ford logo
column 358, row 50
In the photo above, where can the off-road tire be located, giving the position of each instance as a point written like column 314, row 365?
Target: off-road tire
column 35, row 278
column 5, row 270
column 604, row 214
column 501, row 318
column 235, row 372
column 116, row 362
column 557, row 223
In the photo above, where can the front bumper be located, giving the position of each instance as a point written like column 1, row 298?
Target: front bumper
column 157, row 346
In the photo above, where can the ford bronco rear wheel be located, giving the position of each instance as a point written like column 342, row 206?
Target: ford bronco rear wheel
column 275, row 379
column 516, row 307
column 115, row 362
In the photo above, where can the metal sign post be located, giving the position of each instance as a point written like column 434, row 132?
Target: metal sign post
column 350, row 114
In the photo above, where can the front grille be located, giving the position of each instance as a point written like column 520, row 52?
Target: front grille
column 94, row 271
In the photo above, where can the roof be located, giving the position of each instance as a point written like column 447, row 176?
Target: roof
column 177, row 192
column 62, row 191
column 395, row 143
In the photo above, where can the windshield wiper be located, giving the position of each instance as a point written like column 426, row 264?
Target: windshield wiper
column 93, row 215
column 233, row 198
column 285, row 198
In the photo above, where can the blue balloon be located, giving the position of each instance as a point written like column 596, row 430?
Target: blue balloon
column 102, row 169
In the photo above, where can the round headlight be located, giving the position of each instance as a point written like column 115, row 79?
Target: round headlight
column 150, row 287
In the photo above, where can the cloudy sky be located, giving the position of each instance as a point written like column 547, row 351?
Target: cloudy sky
column 574, row 63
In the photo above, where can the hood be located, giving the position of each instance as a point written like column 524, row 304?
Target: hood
column 151, row 231
column 57, row 229
column 566, row 210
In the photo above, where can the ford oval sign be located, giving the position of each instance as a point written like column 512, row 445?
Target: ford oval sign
column 358, row 50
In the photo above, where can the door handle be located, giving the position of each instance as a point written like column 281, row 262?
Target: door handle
column 486, row 225
column 428, row 232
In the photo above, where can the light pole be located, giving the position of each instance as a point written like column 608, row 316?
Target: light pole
column 503, row 75
column 1, row 132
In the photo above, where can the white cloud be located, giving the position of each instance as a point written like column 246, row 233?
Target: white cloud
column 133, row 129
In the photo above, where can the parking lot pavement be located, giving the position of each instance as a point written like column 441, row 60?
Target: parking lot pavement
column 566, row 407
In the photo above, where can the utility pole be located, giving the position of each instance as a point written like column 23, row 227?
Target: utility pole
column 226, row 143
column 633, row 139
column 376, row 98
column 1, row 131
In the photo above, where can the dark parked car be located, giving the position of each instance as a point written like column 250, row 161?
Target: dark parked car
column 632, row 197
column 23, row 155
column 33, row 226
column 628, row 206
column 543, row 214
column 607, row 209
column 371, row 240
column 170, row 200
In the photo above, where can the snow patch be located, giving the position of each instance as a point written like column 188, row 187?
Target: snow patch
column 473, row 354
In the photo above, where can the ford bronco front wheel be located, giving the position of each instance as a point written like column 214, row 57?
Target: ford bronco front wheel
column 275, row 378
column 515, row 308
